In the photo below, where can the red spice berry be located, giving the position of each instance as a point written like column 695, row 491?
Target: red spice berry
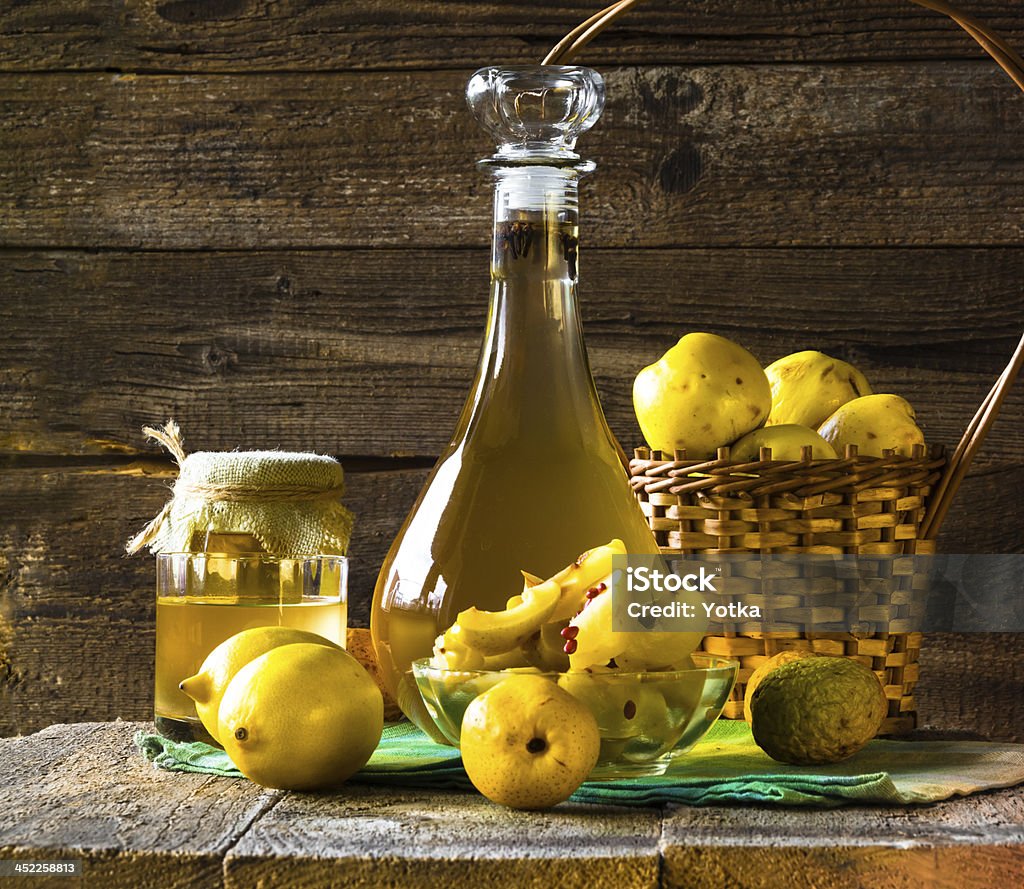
column 570, row 646
column 569, row 632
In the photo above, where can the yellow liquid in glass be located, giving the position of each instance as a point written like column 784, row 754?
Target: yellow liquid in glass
column 188, row 629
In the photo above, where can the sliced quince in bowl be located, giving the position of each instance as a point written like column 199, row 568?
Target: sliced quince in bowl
column 496, row 632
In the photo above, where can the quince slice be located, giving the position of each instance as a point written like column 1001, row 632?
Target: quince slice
column 495, row 632
column 529, row 580
column 588, row 570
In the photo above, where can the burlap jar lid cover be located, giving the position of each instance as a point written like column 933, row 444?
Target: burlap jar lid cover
column 289, row 502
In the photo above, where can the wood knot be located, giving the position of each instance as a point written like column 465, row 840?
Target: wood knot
column 212, row 358
column 681, row 170
column 184, row 12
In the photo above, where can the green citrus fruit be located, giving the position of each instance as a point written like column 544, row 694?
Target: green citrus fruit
column 777, row 660
column 817, row 710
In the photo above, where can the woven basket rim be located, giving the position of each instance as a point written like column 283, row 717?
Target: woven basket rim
column 800, row 478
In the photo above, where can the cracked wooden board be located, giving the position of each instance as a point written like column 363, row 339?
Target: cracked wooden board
column 84, row 791
column 915, row 154
column 376, row 836
column 185, row 35
column 975, row 842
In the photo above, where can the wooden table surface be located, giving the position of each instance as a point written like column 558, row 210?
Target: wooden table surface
column 83, row 791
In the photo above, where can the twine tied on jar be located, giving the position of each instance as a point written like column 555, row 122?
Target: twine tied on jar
column 289, row 502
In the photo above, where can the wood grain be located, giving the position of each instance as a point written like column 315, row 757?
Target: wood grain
column 91, row 796
column 227, row 35
column 848, row 848
column 319, row 160
column 810, row 155
column 87, row 794
column 986, row 672
column 372, row 352
column 76, row 616
column 385, row 836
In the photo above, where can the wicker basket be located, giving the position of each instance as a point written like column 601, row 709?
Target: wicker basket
column 853, row 505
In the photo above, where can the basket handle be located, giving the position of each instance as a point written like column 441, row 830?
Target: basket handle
column 1004, row 55
column 969, row 444
column 1010, row 61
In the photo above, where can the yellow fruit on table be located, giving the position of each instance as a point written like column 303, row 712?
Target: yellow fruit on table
column 816, row 710
column 528, row 744
column 783, row 657
column 873, row 423
column 785, row 442
column 703, row 393
column 808, row 387
column 207, row 687
column 301, row 717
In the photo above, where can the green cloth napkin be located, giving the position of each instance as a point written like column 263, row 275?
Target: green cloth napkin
column 725, row 767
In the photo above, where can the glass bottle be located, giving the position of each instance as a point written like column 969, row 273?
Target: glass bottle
column 533, row 475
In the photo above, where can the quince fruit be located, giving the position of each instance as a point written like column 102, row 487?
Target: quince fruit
column 593, row 643
column 589, row 569
column 874, row 423
column 702, row 394
column 496, row 632
column 809, row 386
column 528, row 744
column 785, row 442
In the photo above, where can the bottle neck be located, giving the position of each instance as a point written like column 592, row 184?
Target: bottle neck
column 534, row 373
column 536, row 225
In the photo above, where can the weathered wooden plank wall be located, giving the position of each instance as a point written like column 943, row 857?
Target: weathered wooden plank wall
column 264, row 220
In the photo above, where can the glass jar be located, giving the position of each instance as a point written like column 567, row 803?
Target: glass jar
column 203, row 598
column 225, row 545
column 533, row 475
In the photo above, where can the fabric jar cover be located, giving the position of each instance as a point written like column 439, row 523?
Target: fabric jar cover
column 289, row 502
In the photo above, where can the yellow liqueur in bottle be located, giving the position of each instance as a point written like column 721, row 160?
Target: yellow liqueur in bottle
column 533, row 476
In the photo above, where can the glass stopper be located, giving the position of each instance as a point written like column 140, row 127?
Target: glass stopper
column 536, row 111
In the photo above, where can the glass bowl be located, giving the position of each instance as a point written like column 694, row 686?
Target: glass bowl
column 645, row 719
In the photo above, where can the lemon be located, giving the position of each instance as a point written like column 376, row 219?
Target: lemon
column 528, row 744
column 783, row 657
column 207, row 687
column 817, row 710
column 301, row 717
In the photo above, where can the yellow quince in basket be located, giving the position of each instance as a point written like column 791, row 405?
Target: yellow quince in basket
column 702, row 394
